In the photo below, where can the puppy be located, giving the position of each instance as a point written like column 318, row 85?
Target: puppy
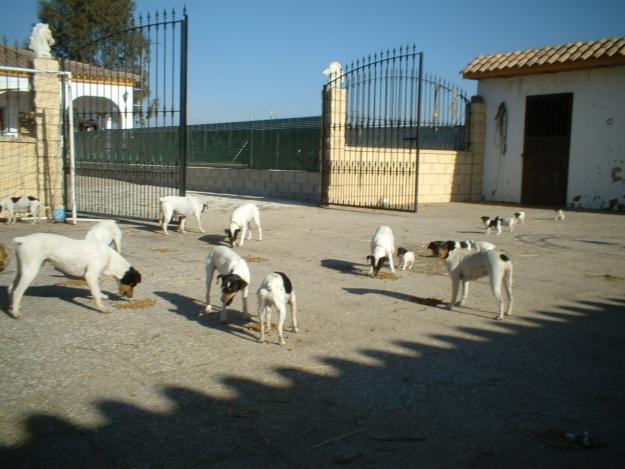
column 87, row 259
column 491, row 223
column 234, row 275
column 241, row 224
column 4, row 257
column 28, row 204
column 406, row 258
column 183, row 207
column 465, row 266
column 106, row 232
column 382, row 248
column 519, row 217
column 276, row 291
column 558, row 214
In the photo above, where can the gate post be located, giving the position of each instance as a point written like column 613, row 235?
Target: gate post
column 477, row 139
column 182, row 170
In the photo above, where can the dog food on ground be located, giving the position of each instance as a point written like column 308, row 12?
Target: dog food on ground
column 254, row 259
column 136, row 304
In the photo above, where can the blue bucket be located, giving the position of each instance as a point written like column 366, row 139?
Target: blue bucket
column 58, row 215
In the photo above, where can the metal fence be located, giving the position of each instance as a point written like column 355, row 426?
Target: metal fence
column 378, row 112
column 130, row 118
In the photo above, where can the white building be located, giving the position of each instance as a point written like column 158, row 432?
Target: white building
column 555, row 124
column 102, row 98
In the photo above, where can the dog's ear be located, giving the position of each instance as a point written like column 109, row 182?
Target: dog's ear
column 401, row 251
column 243, row 284
column 204, row 207
column 381, row 262
column 450, row 245
column 369, row 258
column 220, row 277
column 236, row 232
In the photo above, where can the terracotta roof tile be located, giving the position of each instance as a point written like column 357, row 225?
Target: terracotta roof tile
column 570, row 56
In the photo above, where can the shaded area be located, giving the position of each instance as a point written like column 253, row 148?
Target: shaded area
column 483, row 398
column 345, row 267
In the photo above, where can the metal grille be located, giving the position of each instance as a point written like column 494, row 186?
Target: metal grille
column 130, row 118
column 377, row 113
column 370, row 132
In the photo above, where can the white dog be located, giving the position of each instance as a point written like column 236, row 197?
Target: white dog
column 80, row 258
column 241, row 224
column 465, row 266
column 234, row 274
column 183, row 207
column 276, row 291
column 382, row 248
column 406, row 258
column 558, row 214
column 106, row 232
column 21, row 204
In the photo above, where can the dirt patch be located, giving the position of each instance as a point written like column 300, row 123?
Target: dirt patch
column 608, row 277
column 73, row 282
column 163, row 250
column 427, row 301
column 137, row 304
column 388, row 276
column 255, row 259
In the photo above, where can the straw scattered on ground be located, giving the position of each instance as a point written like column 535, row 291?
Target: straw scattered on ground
column 137, row 304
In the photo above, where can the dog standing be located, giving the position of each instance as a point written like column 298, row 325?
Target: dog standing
column 558, row 214
column 406, row 258
column 106, row 232
column 490, row 223
column 469, row 245
column 465, row 266
column 79, row 258
column 183, row 207
column 4, row 257
column 382, row 248
column 234, row 275
column 276, row 291
column 241, row 224
column 28, row 204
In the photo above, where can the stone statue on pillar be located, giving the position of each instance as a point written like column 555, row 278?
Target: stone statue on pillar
column 41, row 40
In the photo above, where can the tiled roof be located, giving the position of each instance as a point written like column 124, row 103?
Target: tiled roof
column 23, row 58
column 571, row 56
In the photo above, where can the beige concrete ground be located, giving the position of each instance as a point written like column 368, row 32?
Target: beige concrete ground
column 374, row 378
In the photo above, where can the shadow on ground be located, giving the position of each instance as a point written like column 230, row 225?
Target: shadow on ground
column 497, row 396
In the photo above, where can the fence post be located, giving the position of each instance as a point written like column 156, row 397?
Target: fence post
column 182, row 170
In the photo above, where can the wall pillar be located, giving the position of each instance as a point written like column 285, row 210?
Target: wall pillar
column 47, row 106
column 477, row 140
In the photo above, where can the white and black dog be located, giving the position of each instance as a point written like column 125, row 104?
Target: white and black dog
column 382, row 248
column 28, row 204
column 241, row 224
column 469, row 245
column 406, row 259
column 106, row 232
column 4, row 257
column 276, row 291
column 234, row 275
column 183, row 207
column 465, row 266
column 558, row 214
column 497, row 222
column 80, row 258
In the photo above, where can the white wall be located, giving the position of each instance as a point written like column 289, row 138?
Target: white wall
column 597, row 154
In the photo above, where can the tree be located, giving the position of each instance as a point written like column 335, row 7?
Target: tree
column 98, row 32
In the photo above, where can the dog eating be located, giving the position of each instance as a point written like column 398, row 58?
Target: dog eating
column 86, row 259
column 183, row 207
column 14, row 205
column 276, row 292
column 382, row 248
column 234, row 274
column 241, row 224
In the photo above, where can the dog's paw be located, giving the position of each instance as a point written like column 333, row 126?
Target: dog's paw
column 295, row 329
column 449, row 306
column 208, row 309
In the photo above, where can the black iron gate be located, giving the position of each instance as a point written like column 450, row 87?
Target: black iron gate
column 129, row 120
column 370, row 131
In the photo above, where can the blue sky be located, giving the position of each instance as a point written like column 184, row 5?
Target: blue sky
column 253, row 59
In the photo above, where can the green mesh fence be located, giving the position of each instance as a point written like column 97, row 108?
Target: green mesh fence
column 267, row 144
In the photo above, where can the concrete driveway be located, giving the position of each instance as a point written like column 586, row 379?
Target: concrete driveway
column 376, row 377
